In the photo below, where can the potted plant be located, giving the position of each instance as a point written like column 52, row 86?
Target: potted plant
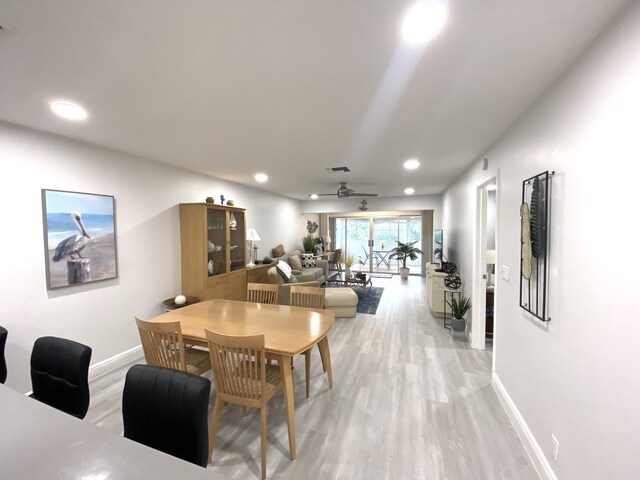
column 459, row 308
column 348, row 262
column 402, row 252
column 307, row 243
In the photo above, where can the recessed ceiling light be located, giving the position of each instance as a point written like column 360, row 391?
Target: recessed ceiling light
column 69, row 110
column 313, row 196
column 261, row 177
column 409, row 191
column 411, row 164
column 423, row 22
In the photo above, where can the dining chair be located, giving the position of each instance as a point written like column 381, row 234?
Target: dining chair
column 242, row 377
column 163, row 346
column 60, row 374
column 337, row 259
column 167, row 409
column 262, row 293
column 308, row 297
column 3, row 362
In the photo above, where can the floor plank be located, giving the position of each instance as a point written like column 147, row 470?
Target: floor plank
column 409, row 402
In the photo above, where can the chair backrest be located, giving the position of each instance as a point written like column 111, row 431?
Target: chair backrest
column 3, row 362
column 309, row 297
column 366, row 253
column 262, row 293
column 238, row 366
column 167, row 410
column 162, row 344
column 60, row 374
column 337, row 256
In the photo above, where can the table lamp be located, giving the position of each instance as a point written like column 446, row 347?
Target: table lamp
column 328, row 242
column 252, row 236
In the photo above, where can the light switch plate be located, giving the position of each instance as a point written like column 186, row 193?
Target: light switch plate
column 504, row 273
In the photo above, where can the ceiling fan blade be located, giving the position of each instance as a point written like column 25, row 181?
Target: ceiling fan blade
column 356, row 194
column 326, row 194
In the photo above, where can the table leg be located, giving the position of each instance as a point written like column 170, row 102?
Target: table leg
column 326, row 357
column 287, row 387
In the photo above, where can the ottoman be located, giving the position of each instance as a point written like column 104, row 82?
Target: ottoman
column 342, row 300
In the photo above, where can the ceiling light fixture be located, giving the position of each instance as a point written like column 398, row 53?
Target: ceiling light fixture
column 261, row 177
column 411, row 164
column 314, row 196
column 423, row 21
column 69, row 110
column 409, row 191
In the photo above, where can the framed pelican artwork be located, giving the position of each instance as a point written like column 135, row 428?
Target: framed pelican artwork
column 80, row 237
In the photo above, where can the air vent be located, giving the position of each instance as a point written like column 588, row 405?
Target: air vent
column 338, row 169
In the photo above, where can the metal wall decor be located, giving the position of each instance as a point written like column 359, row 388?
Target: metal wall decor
column 534, row 245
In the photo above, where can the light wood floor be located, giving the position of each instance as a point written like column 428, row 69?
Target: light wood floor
column 408, row 402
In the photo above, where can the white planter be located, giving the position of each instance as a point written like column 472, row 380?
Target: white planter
column 347, row 271
column 404, row 273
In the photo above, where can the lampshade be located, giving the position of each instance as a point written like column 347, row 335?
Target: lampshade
column 491, row 257
column 252, row 235
column 328, row 238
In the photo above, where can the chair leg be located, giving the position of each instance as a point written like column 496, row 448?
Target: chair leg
column 244, row 411
column 263, row 440
column 213, row 427
column 307, row 368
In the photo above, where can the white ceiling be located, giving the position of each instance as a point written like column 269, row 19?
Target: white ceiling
column 289, row 87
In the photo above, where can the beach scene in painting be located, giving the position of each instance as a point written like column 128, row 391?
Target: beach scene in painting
column 80, row 235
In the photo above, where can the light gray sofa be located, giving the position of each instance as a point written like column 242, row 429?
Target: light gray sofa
column 284, row 290
column 318, row 273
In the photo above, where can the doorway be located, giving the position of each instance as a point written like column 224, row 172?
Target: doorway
column 484, row 264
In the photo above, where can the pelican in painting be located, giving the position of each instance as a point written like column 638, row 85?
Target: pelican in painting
column 75, row 243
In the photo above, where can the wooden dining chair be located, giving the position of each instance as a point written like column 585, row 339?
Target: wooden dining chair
column 163, row 346
column 243, row 377
column 262, row 293
column 336, row 259
column 308, row 297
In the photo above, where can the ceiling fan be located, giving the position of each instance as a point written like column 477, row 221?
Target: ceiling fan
column 345, row 192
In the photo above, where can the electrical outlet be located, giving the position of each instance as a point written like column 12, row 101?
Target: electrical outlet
column 556, row 445
column 504, row 273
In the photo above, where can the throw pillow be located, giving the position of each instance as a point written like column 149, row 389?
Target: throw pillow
column 308, row 260
column 293, row 279
column 278, row 251
column 295, row 263
column 284, row 270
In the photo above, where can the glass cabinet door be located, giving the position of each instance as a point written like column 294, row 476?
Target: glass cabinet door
column 237, row 247
column 216, row 242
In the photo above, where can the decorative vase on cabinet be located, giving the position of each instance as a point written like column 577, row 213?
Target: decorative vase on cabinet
column 213, row 255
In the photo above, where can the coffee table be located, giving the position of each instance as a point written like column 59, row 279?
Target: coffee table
column 341, row 279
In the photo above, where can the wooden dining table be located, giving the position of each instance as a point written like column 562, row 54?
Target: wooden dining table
column 287, row 331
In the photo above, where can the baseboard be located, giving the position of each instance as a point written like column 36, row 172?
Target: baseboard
column 115, row 362
column 532, row 447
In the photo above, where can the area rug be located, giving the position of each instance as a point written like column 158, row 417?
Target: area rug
column 381, row 275
column 368, row 303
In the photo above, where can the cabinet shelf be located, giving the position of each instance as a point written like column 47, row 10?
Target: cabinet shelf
column 201, row 226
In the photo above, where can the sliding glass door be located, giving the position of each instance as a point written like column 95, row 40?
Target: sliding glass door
column 371, row 239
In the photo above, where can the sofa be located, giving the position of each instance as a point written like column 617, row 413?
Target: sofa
column 319, row 273
column 284, row 289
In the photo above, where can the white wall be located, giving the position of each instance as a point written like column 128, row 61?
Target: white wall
column 148, row 235
column 578, row 376
column 406, row 202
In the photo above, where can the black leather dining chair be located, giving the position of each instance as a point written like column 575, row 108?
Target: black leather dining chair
column 3, row 362
column 60, row 374
column 167, row 409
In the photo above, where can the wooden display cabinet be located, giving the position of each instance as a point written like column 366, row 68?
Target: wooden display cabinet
column 213, row 251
